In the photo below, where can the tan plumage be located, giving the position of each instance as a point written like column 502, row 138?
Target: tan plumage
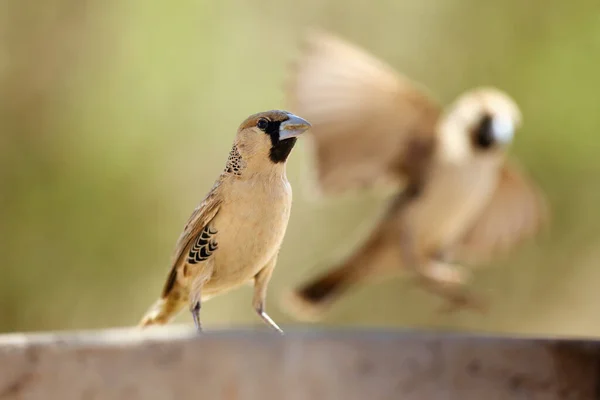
column 461, row 200
column 357, row 99
column 234, row 235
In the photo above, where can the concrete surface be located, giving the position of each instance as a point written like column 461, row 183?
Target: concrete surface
column 175, row 363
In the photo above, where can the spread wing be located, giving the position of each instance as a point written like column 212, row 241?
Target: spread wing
column 365, row 117
column 197, row 241
column 516, row 211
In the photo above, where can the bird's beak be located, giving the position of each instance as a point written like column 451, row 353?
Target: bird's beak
column 293, row 127
column 503, row 130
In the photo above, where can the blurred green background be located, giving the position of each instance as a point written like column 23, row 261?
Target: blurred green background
column 116, row 117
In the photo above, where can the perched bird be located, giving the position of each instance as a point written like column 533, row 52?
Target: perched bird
column 234, row 235
column 460, row 201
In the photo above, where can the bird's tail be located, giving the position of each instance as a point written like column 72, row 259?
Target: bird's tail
column 309, row 301
column 377, row 257
column 161, row 312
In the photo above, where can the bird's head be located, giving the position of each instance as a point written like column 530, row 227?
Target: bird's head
column 481, row 121
column 269, row 135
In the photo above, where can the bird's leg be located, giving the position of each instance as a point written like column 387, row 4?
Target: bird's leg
column 439, row 277
column 195, row 309
column 195, row 302
column 449, row 281
column 261, row 281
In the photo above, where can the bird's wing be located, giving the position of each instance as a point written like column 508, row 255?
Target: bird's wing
column 366, row 118
column 516, row 211
column 196, row 236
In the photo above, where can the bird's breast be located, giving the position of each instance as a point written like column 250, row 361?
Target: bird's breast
column 453, row 198
column 251, row 226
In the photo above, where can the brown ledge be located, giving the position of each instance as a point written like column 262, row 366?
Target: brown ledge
column 174, row 363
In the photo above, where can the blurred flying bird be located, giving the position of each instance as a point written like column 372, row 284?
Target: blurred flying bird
column 460, row 201
column 235, row 234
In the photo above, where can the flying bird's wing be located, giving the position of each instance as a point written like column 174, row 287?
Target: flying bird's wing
column 366, row 119
column 516, row 211
column 197, row 224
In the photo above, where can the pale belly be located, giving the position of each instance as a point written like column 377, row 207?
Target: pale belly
column 250, row 233
column 448, row 207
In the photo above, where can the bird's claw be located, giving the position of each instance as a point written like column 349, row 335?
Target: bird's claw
column 455, row 295
column 265, row 317
column 463, row 300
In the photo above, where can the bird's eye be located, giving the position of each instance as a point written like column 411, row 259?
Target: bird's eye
column 262, row 124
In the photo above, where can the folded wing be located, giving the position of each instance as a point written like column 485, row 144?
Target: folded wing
column 197, row 224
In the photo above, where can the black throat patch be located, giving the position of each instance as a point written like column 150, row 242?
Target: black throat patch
column 280, row 149
column 483, row 136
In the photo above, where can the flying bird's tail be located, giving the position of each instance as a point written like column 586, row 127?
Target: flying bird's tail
column 310, row 300
column 161, row 312
column 376, row 259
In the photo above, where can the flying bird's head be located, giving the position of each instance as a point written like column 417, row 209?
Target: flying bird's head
column 269, row 135
column 481, row 121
